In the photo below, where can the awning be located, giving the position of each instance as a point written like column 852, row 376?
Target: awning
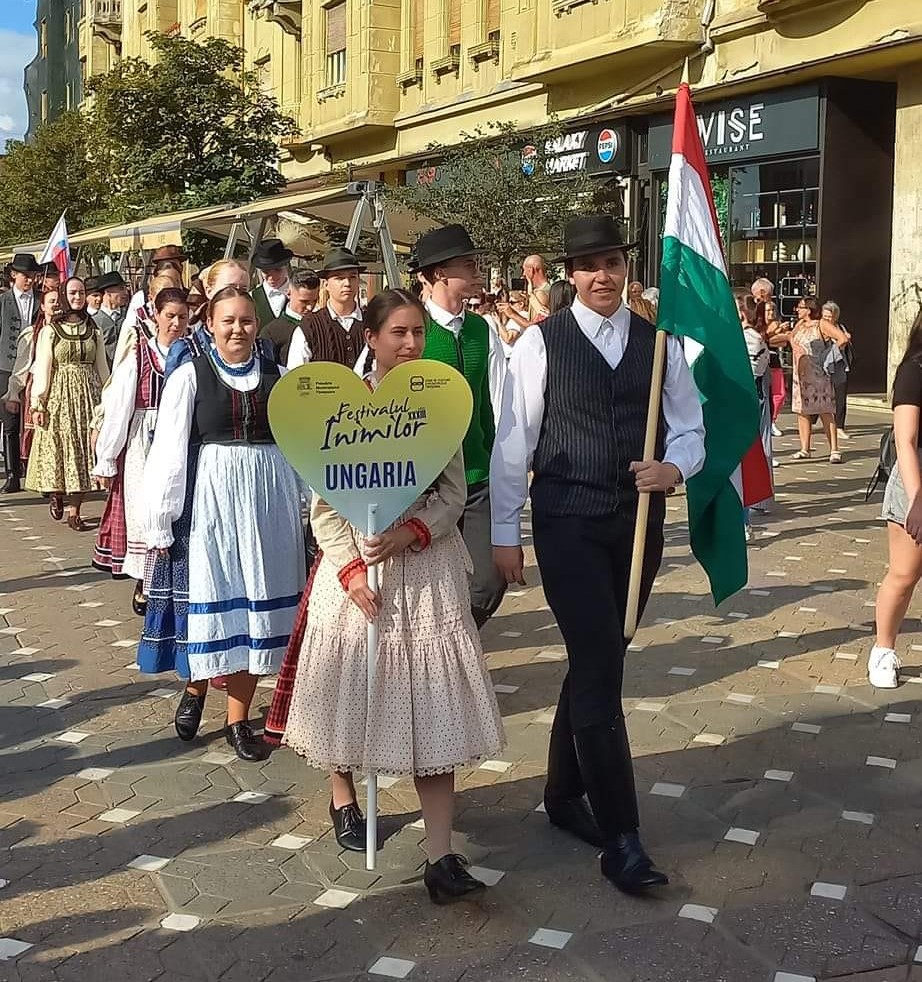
column 160, row 230
column 332, row 205
column 90, row 236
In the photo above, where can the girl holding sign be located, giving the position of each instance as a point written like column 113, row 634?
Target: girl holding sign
column 432, row 708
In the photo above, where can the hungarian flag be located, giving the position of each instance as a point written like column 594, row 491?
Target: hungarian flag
column 696, row 303
column 58, row 249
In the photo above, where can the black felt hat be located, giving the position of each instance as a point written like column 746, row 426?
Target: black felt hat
column 91, row 284
column 339, row 260
column 24, row 262
column 443, row 244
column 109, row 280
column 272, row 254
column 590, row 234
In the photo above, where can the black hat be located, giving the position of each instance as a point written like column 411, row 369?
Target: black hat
column 109, row 280
column 590, row 234
column 442, row 244
column 91, row 284
column 271, row 254
column 24, row 262
column 338, row 260
column 49, row 269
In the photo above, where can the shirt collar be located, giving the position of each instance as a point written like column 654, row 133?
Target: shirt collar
column 591, row 322
column 19, row 294
column 275, row 290
column 441, row 316
column 356, row 314
column 290, row 314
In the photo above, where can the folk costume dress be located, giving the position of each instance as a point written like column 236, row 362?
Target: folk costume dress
column 433, row 708
column 68, row 374
column 226, row 503
column 130, row 402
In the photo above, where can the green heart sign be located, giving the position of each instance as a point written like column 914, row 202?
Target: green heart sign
column 357, row 447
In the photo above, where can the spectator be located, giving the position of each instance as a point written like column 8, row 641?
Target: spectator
column 752, row 319
column 774, row 334
column 830, row 318
column 763, row 290
column 635, row 300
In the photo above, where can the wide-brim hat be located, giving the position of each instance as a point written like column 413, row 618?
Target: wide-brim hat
column 91, row 284
column 24, row 262
column 109, row 280
column 49, row 269
column 339, row 260
column 271, row 254
column 590, row 234
column 444, row 244
column 167, row 253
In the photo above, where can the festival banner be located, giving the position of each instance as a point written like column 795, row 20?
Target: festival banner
column 355, row 447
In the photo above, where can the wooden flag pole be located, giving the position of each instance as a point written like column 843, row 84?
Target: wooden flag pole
column 643, row 501
column 371, row 779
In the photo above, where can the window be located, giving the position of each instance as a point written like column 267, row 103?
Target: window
column 44, row 105
column 43, row 38
column 336, row 44
column 491, row 16
column 68, row 28
column 454, row 23
column 419, row 30
column 69, row 96
column 201, row 9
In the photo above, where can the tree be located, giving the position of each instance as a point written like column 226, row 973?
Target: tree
column 191, row 129
column 506, row 196
column 38, row 180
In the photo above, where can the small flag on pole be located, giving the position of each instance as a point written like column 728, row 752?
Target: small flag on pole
column 58, row 249
column 696, row 303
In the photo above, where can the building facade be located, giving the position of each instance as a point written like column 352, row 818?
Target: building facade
column 52, row 79
column 811, row 111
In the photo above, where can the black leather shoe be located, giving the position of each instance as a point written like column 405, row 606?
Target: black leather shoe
column 573, row 815
column 12, row 485
column 139, row 602
column 349, row 826
column 189, row 715
column 626, row 863
column 448, row 880
column 246, row 744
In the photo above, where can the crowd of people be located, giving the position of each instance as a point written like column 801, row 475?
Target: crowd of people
column 240, row 572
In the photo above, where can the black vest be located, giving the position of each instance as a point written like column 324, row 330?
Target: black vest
column 224, row 415
column 594, row 421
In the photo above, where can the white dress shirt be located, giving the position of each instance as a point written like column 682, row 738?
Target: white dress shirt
column 299, row 353
column 277, row 297
column 25, row 299
column 519, row 425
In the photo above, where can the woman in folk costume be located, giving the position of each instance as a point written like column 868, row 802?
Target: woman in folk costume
column 224, row 517
column 433, row 708
column 68, row 374
column 130, row 404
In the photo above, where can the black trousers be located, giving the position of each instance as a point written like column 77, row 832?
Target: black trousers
column 841, row 391
column 585, row 569
column 10, row 423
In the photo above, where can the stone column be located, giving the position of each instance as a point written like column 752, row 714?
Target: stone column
column 906, row 257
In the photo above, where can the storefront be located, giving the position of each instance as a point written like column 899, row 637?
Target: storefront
column 803, row 182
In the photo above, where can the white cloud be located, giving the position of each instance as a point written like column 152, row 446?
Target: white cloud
column 16, row 51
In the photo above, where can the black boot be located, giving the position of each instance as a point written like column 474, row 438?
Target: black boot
column 13, row 464
column 605, row 762
column 447, row 880
column 189, row 714
column 246, row 744
column 349, row 826
column 563, row 795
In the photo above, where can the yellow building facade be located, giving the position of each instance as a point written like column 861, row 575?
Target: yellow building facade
column 821, row 95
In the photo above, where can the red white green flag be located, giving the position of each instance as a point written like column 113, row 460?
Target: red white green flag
column 696, row 303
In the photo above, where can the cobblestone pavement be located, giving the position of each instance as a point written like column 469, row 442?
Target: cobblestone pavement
column 780, row 792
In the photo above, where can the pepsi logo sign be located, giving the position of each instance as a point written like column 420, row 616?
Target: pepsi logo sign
column 607, row 146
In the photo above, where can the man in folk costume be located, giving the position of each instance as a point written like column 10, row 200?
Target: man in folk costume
column 448, row 261
column 272, row 260
column 575, row 413
column 335, row 332
column 303, row 293
column 19, row 308
column 108, row 318
column 93, row 295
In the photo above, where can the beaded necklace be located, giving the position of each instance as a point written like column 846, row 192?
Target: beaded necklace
column 237, row 370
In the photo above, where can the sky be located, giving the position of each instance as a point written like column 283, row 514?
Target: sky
column 17, row 48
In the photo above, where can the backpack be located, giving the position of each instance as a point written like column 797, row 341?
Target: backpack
column 886, row 461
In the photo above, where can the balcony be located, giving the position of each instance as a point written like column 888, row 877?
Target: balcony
column 106, row 19
column 285, row 13
column 779, row 9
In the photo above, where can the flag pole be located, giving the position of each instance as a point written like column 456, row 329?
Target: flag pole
column 632, row 608
column 371, row 779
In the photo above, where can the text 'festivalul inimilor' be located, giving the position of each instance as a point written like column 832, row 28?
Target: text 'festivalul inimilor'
column 393, row 422
column 362, row 477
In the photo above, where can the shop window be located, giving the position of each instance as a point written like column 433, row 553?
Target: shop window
column 774, row 216
column 335, row 45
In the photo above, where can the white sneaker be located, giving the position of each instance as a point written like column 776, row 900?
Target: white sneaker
column 883, row 668
column 775, row 462
column 748, row 533
column 776, row 430
column 843, row 435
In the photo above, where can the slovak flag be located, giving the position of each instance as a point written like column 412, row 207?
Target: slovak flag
column 58, row 249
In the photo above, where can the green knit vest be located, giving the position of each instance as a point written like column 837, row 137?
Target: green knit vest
column 473, row 345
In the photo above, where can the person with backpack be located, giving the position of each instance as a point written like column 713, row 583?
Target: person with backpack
column 902, row 510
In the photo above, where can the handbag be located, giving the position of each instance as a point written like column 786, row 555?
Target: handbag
column 886, row 461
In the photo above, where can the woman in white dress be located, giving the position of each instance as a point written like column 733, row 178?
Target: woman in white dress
column 224, row 517
column 433, row 708
column 130, row 403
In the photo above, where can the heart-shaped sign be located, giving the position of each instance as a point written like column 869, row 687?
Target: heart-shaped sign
column 356, row 447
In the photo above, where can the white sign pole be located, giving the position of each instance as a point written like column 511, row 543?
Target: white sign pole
column 371, row 801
